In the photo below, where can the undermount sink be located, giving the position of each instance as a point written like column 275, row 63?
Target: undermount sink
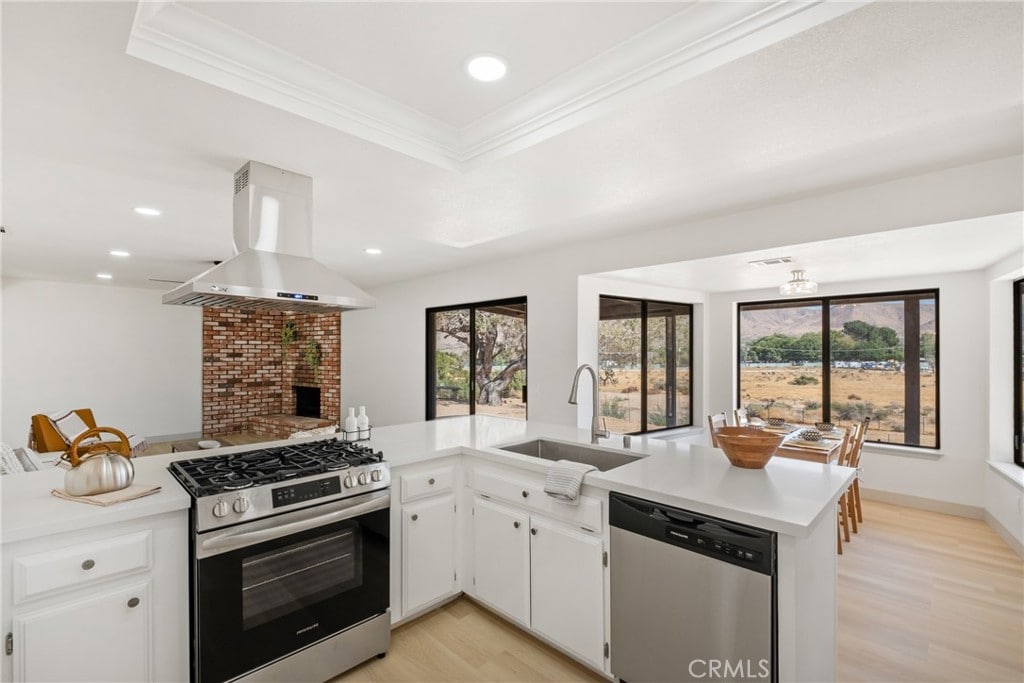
column 601, row 458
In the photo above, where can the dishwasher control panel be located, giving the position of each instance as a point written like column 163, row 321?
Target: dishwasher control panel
column 713, row 545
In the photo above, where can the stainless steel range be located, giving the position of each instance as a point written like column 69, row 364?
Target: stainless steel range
column 290, row 561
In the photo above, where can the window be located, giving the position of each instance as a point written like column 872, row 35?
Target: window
column 644, row 358
column 476, row 359
column 1018, row 372
column 882, row 352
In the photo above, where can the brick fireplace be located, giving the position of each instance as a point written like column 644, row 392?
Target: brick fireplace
column 249, row 375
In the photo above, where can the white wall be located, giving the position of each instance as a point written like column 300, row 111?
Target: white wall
column 135, row 361
column 383, row 350
column 956, row 473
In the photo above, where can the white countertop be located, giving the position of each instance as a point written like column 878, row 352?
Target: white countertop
column 788, row 496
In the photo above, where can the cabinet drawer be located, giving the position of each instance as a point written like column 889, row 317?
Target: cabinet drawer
column 427, row 483
column 530, row 495
column 78, row 565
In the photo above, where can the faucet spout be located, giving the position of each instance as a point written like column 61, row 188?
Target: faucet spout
column 596, row 432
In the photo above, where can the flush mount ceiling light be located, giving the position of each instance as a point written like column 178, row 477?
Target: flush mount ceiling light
column 486, row 67
column 798, row 286
column 373, row 251
column 146, row 211
column 105, row 276
column 121, row 253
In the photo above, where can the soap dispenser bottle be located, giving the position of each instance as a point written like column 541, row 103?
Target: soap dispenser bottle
column 363, row 423
column 351, row 425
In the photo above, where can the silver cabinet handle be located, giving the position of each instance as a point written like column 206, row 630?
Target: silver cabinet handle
column 88, row 564
column 515, row 524
column 430, row 481
column 133, row 602
column 526, row 494
column 415, row 517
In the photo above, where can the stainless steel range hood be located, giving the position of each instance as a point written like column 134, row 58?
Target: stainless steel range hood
column 274, row 268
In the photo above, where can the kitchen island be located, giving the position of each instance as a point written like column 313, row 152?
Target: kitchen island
column 795, row 499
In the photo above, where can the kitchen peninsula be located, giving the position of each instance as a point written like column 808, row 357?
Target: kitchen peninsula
column 139, row 550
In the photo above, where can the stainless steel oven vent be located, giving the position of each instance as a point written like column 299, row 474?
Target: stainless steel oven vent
column 274, row 268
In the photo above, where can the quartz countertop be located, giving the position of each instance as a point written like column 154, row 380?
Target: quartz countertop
column 787, row 496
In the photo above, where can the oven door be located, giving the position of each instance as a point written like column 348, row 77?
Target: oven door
column 268, row 588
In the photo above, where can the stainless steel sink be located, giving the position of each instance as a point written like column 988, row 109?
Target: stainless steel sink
column 602, row 459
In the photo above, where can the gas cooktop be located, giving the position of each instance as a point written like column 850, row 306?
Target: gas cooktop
column 219, row 474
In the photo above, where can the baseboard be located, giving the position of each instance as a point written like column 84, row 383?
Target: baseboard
column 929, row 504
column 1005, row 534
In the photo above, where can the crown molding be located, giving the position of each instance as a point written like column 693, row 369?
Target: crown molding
column 694, row 41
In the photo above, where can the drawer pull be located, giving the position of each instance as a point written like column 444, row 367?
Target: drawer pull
column 133, row 602
column 526, row 494
column 430, row 481
column 415, row 517
column 515, row 524
column 88, row 564
column 533, row 531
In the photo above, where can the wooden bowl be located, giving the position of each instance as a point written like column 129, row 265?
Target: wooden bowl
column 746, row 447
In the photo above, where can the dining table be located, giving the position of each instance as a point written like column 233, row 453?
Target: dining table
column 825, row 450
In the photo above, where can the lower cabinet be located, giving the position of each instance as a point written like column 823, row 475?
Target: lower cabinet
column 542, row 573
column 428, row 549
column 103, row 638
column 501, row 543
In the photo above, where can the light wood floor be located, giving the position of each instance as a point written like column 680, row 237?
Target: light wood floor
column 922, row 597
column 236, row 439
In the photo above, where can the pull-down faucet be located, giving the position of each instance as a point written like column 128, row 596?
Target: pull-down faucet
column 595, row 431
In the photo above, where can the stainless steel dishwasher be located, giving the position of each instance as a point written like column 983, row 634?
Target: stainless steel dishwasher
column 692, row 596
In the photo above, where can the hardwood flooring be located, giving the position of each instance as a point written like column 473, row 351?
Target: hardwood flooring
column 922, row 597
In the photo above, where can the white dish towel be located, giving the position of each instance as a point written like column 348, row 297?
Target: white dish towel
column 564, row 480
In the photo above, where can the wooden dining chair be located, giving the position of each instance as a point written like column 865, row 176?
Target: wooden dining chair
column 740, row 417
column 854, row 462
column 845, row 512
column 714, row 422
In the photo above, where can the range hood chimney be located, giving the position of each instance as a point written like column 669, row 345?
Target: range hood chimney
column 274, row 267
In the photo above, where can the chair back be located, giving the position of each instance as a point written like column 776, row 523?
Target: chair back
column 846, row 448
column 740, row 417
column 862, row 430
column 714, row 422
column 45, row 438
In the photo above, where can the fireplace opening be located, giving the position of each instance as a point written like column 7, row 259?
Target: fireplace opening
column 307, row 401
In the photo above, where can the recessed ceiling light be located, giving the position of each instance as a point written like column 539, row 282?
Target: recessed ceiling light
column 146, row 211
column 119, row 252
column 373, row 251
column 487, row 68
column 105, row 276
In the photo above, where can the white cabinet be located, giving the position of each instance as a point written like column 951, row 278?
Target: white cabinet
column 108, row 603
column 428, row 551
column 425, row 550
column 567, row 588
column 101, row 638
column 543, row 573
column 501, row 547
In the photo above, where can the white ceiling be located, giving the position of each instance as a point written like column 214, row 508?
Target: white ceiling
column 90, row 132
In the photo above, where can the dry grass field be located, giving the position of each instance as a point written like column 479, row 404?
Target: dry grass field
column 878, row 393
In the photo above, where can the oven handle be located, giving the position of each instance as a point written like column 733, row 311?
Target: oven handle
column 272, row 528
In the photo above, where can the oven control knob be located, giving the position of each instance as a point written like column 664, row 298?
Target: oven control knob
column 376, row 475
column 349, row 483
column 220, row 509
column 362, row 479
column 240, row 505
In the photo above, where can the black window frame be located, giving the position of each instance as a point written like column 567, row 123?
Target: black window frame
column 431, row 346
column 1018, row 372
column 644, row 305
column 826, row 303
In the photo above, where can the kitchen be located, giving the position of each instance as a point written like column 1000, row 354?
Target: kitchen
column 148, row 373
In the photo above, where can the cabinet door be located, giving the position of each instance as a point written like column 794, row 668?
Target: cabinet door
column 428, row 552
column 501, row 556
column 567, row 581
column 105, row 637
